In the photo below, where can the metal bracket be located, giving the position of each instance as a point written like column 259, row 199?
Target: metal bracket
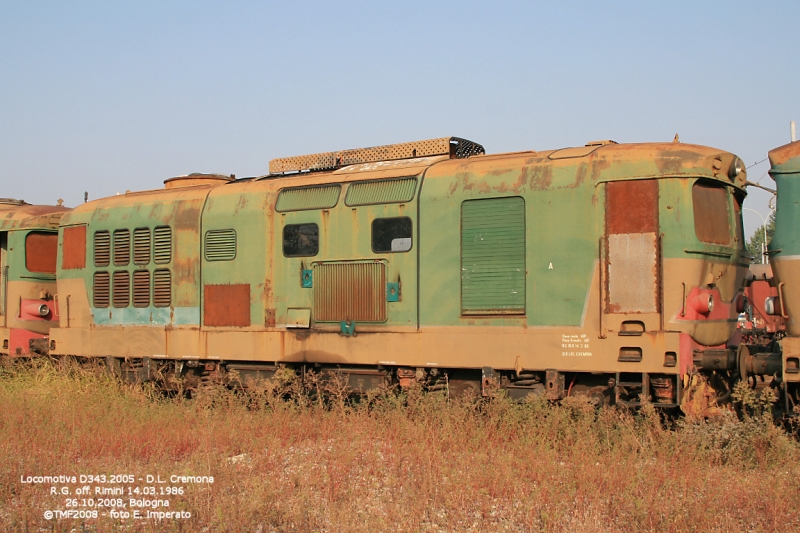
column 393, row 292
column 347, row 328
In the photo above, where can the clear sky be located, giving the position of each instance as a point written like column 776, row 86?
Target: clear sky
column 108, row 96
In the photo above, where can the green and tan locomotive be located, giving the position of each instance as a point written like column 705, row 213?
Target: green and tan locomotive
column 28, row 248
column 612, row 270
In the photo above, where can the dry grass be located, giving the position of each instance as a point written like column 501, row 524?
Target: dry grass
column 408, row 463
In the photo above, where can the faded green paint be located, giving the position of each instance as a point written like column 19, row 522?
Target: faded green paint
column 785, row 170
column 242, row 208
column 493, row 256
column 179, row 209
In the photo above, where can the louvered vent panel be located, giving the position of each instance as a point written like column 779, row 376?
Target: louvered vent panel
column 101, row 289
column 162, row 240
column 122, row 288
column 493, row 256
column 349, row 291
column 308, row 198
column 220, row 245
column 141, row 246
column 141, row 288
column 122, row 247
column 381, row 192
column 162, row 288
column 102, row 248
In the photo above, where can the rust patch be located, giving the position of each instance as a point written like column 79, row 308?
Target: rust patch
column 541, row 178
column 632, row 206
column 226, row 305
column 269, row 318
column 40, row 252
column 74, row 252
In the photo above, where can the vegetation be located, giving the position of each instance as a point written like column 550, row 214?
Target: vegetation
column 407, row 462
column 754, row 245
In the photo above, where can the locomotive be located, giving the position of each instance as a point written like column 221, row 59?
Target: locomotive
column 608, row 270
column 28, row 249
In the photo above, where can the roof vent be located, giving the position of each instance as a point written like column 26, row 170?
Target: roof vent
column 601, row 143
column 12, row 201
column 195, row 179
column 455, row 147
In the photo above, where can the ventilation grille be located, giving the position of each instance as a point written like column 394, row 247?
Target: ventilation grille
column 220, row 245
column 141, row 246
column 493, row 256
column 102, row 248
column 162, row 237
column 122, row 247
column 101, row 289
column 308, row 198
column 122, row 288
column 349, row 291
column 162, row 288
column 381, row 192
column 141, row 288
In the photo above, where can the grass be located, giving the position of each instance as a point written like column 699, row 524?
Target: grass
column 413, row 462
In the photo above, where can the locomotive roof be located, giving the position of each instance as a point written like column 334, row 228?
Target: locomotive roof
column 594, row 163
column 785, row 159
column 16, row 214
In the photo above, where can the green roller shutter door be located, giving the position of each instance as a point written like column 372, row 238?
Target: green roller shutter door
column 493, row 256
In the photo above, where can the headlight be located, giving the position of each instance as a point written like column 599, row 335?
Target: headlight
column 736, row 168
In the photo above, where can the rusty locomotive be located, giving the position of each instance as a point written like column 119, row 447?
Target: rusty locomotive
column 610, row 270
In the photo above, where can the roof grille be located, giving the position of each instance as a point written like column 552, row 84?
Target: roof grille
column 455, row 147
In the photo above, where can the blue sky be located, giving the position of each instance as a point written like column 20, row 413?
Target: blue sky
column 110, row 96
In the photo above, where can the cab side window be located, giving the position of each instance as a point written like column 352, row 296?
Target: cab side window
column 391, row 234
column 300, row 240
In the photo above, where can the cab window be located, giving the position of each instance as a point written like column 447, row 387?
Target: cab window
column 300, row 240
column 711, row 213
column 391, row 235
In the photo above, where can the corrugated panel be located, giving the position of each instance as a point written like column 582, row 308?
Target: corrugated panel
column 303, row 198
column 220, row 245
column 349, row 291
column 381, row 192
column 74, row 251
column 493, row 256
column 121, row 288
column 101, row 289
column 102, row 248
column 162, row 245
column 141, row 288
column 122, row 247
column 162, row 288
column 141, row 246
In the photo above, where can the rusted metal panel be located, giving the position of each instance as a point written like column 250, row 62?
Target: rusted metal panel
column 353, row 291
column 41, row 249
column 162, row 245
column 122, row 247
column 711, row 213
column 381, row 192
column 632, row 269
column 453, row 146
column 74, row 251
column 632, row 206
column 226, row 305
